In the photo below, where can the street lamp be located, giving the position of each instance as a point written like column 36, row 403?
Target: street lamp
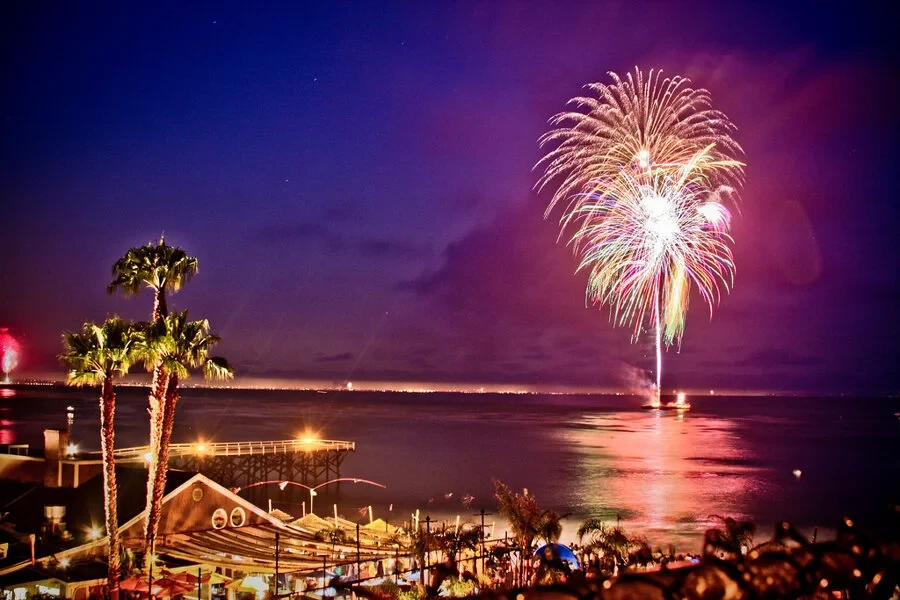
column 312, row 490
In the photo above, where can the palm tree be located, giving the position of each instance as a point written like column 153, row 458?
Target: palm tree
column 454, row 540
column 526, row 517
column 615, row 548
column 731, row 539
column 549, row 527
column 174, row 345
column 418, row 543
column 160, row 268
column 95, row 356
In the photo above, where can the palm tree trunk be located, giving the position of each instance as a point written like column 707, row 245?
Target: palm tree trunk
column 159, row 461
column 110, row 490
column 160, row 308
column 157, row 417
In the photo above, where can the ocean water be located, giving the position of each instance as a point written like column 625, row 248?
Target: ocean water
column 664, row 476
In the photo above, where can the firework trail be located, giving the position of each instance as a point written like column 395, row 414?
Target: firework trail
column 645, row 170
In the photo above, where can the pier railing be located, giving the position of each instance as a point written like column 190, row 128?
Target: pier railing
column 238, row 448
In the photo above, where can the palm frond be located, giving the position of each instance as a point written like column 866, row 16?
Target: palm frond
column 217, row 369
column 98, row 352
column 157, row 266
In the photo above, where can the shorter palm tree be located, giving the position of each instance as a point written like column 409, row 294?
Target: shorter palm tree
column 177, row 346
column 96, row 355
column 614, row 548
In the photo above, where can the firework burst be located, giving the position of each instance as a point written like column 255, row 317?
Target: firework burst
column 645, row 167
column 637, row 124
column 646, row 239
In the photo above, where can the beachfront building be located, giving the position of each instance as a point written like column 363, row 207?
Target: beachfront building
column 206, row 528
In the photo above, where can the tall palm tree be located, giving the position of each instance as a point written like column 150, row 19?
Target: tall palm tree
column 160, row 268
column 96, row 355
column 176, row 346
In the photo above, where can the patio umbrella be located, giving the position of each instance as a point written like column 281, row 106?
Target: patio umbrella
column 207, row 578
column 167, row 587
column 564, row 553
column 250, row 584
column 135, row 583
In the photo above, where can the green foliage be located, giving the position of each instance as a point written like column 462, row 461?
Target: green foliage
column 526, row 517
column 99, row 352
column 417, row 543
column 612, row 546
column 416, row 592
column 459, row 589
column 156, row 266
column 179, row 345
column 453, row 542
column 387, row 589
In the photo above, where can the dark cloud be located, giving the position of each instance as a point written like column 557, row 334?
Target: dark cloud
column 336, row 241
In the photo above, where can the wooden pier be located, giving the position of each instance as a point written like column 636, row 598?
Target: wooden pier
column 239, row 464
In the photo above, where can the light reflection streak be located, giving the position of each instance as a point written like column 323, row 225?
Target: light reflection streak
column 664, row 474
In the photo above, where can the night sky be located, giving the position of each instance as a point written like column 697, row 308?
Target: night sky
column 356, row 182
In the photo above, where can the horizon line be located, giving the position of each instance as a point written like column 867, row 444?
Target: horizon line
column 261, row 382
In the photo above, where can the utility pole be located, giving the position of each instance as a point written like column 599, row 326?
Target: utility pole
column 482, row 513
column 425, row 581
column 358, row 564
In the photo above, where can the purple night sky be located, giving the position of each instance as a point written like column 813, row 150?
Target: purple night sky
column 356, row 181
